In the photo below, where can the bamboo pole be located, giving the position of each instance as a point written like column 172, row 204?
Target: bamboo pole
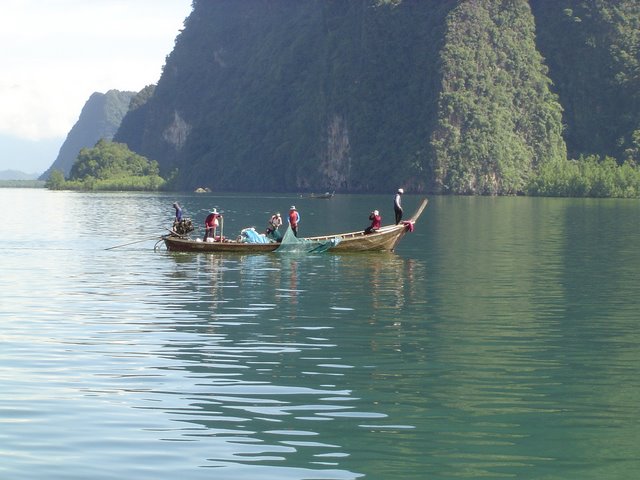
column 131, row 243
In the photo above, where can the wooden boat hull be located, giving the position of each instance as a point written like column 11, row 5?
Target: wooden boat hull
column 180, row 244
column 385, row 239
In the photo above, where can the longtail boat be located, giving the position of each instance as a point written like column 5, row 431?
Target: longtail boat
column 385, row 239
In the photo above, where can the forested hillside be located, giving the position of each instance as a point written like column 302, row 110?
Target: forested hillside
column 498, row 119
column 100, row 119
column 450, row 96
column 592, row 49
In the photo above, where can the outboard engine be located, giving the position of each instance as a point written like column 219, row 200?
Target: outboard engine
column 183, row 227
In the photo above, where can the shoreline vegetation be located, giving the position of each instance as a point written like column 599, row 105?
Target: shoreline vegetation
column 589, row 177
column 111, row 166
column 22, row 184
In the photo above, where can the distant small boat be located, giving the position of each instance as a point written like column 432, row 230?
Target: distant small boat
column 319, row 195
column 323, row 195
column 384, row 239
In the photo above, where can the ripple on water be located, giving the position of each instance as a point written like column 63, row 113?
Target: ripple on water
column 499, row 342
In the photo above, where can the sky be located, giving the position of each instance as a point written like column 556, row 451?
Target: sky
column 56, row 53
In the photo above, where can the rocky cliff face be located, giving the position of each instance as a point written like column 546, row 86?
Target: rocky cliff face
column 100, row 118
column 451, row 96
column 336, row 161
column 290, row 96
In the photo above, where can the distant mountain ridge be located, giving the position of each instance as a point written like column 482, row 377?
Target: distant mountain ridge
column 17, row 175
column 100, row 118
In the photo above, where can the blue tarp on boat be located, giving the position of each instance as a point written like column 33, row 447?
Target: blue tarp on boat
column 251, row 236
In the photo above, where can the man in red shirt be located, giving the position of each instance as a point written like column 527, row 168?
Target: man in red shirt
column 294, row 219
column 210, row 225
column 376, row 222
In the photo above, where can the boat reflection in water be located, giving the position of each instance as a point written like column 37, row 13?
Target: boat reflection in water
column 274, row 354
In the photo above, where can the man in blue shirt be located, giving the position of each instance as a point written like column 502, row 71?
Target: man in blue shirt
column 178, row 212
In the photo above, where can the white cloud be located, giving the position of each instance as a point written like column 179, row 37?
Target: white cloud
column 56, row 53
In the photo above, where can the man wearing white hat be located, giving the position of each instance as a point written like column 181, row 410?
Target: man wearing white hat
column 210, row 225
column 376, row 222
column 397, row 207
column 275, row 222
column 294, row 219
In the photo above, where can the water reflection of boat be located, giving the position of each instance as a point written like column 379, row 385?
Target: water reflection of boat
column 385, row 239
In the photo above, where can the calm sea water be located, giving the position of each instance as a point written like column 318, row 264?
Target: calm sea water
column 500, row 340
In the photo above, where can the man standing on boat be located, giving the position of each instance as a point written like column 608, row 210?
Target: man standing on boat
column 397, row 206
column 211, row 224
column 178, row 218
column 294, row 219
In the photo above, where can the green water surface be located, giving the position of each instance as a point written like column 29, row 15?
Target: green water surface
column 500, row 340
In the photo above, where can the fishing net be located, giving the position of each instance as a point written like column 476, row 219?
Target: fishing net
column 274, row 235
column 292, row 244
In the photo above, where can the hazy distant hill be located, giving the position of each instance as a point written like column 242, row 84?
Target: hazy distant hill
column 100, row 118
column 16, row 175
column 29, row 156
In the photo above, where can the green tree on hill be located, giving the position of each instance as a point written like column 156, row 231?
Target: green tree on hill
column 109, row 159
column 111, row 166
